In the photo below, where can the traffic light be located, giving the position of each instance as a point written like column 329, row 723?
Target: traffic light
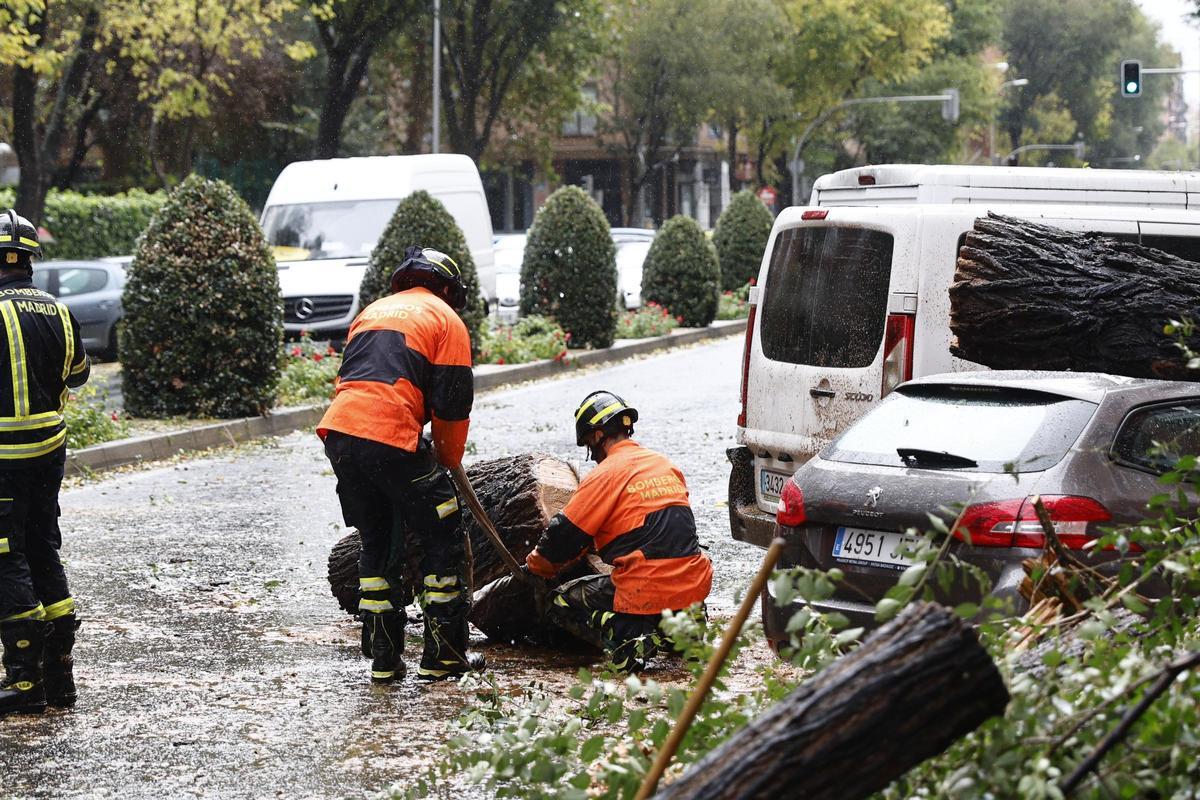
column 950, row 105
column 1131, row 78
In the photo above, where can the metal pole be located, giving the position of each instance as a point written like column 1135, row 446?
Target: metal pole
column 437, row 76
column 797, row 165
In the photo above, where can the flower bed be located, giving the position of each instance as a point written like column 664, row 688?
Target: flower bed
column 89, row 422
column 734, row 304
column 649, row 320
column 532, row 338
column 306, row 373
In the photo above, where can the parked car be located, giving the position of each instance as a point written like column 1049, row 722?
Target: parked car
column 324, row 217
column 509, row 251
column 631, row 255
column 852, row 297
column 92, row 291
column 990, row 440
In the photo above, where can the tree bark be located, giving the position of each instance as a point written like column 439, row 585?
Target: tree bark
column 520, row 494
column 914, row 686
column 1029, row 296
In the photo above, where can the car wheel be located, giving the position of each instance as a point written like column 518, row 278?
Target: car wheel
column 111, row 350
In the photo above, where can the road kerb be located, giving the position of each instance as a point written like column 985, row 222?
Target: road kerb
column 157, row 446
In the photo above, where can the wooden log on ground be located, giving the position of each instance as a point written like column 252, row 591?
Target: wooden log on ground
column 915, row 685
column 520, row 494
column 1030, row 296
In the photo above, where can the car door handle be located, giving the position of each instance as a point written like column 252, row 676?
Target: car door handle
column 822, row 392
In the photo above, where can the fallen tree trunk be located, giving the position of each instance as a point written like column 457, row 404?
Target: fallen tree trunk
column 520, row 494
column 914, row 686
column 1029, row 296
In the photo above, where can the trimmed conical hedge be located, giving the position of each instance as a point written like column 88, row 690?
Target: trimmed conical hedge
column 570, row 268
column 422, row 220
column 203, row 314
column 740, row 238
column 681, row 273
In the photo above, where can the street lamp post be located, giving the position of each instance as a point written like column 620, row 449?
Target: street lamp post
column 1015, row 82
column 1077, row 148
column 437, row 76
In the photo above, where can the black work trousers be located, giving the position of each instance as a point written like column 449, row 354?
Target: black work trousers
column 406, row 509
column 33, row 584
column 584, row 607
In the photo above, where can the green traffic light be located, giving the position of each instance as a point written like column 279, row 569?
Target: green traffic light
column 1131, row 87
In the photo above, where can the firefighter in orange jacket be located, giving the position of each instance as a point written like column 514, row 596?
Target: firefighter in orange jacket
column 407, row 362
column 633, row 510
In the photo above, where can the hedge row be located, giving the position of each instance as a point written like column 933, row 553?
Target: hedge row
column 92, row 226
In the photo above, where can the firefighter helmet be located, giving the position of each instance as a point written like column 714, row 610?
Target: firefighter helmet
column 18, row 240
column 603, row 410
column 434, row 270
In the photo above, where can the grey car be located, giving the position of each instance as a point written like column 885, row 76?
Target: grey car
column 92, row 290
column 990, row 440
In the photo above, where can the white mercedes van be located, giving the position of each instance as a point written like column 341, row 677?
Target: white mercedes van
column 323, row 218
column 852, row 296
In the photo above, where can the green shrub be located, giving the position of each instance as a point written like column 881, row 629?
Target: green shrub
column 422, row 220
column 203, row 315
column 734, row 304
column 532, row 338
column 570, row 271
column 681, row 273
column 92, row 226
column 741, row 237
column 306, row 373
column 649, row 320
column 89, row 422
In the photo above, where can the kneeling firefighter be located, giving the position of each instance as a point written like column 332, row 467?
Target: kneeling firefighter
column 633, row 510
column 41, row 355
column 407, row 362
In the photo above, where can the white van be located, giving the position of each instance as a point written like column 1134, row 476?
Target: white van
column 323, row 219
column 851, row 300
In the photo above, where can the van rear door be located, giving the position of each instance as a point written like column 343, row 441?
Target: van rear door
column 837, row 287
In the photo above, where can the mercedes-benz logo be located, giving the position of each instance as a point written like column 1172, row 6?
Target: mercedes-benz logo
column 873, row 496
column 304, row 308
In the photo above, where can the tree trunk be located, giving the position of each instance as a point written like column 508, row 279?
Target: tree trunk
column 1029, row 296
column 914, row 686
column 520, row 494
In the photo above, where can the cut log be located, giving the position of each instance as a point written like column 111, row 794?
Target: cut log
column 915, row 685
column 520, row 494
column 1030, row 296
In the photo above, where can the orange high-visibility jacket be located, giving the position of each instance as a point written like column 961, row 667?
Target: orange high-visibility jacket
column 633, row 509
column 407, row 362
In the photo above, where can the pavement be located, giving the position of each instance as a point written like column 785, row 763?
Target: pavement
column 214, row 663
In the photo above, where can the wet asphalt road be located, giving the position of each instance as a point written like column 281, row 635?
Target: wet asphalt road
column 213, row 661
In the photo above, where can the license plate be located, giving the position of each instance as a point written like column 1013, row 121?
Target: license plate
column 771, row 483
column 858, row 546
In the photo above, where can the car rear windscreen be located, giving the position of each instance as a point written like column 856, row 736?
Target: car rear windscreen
column 1001, row 430
column 825, row 300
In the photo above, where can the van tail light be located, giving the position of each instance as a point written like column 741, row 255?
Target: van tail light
column 791, row 505
column 741, row 420
column 1014, row 523
column 816, row 213
column 897, row 351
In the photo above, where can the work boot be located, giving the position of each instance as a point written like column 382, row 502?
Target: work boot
column 386, row 632
column 22, row 691
column 58, row 666
column 445, row 656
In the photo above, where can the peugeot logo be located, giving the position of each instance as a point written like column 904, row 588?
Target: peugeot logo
column 304, row 308
column 873, row 496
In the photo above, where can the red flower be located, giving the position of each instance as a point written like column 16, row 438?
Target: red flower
column 296, row 352
column 500, row 360
column 114, row 416
column 317, row 356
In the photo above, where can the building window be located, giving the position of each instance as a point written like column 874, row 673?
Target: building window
column 583, row 121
